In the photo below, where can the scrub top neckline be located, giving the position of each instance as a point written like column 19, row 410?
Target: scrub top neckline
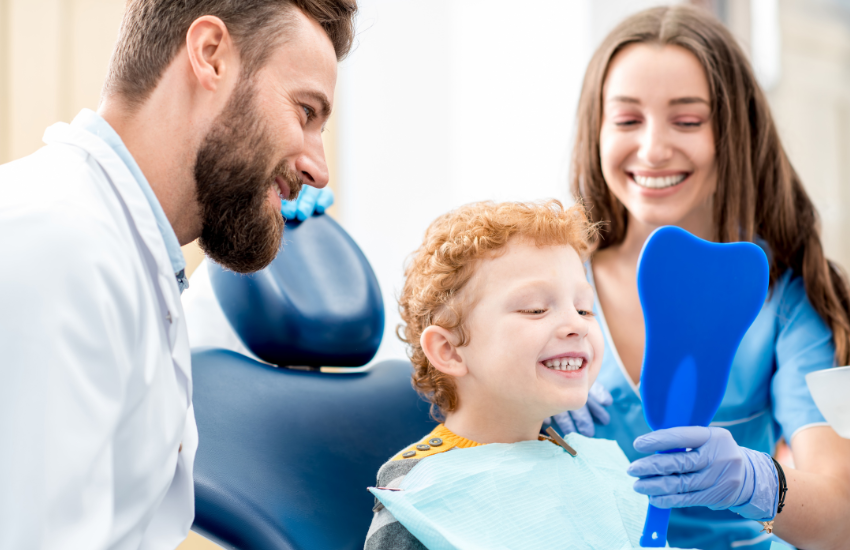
column 607, row 333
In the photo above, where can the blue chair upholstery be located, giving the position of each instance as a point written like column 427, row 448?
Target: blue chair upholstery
column 285, row 455
column 318, row 303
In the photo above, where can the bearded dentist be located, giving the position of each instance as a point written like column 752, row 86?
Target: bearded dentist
column 207, row 324
column 212, row 111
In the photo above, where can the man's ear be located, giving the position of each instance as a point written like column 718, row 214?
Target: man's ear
column 438, row 345
column 211, row 51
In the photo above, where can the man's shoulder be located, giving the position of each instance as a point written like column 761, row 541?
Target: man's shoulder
column 47, row 160
column 61, row 190
column 69, row 226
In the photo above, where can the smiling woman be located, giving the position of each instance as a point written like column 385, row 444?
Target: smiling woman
column 673, row 129
column 656, row 139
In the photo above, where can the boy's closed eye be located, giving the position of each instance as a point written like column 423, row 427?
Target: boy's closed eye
column 534, row 311
column 542, row 310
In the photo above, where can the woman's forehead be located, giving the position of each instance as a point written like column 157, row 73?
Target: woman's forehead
column 643, row 71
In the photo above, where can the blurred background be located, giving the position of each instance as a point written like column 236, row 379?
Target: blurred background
column 451, row 101
column 462, row 100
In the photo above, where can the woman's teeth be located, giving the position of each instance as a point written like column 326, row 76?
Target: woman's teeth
column 564, row 363
column 659, row 183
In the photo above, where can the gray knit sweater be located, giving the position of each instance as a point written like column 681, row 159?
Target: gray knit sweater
column 386, row 533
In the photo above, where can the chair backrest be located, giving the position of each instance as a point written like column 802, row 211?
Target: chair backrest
column 285, row 455
column 317, row 304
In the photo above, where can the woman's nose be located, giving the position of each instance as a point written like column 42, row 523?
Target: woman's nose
column 655, row 148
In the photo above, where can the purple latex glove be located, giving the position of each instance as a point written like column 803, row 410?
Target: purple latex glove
column 581, row 420
column 716, row 472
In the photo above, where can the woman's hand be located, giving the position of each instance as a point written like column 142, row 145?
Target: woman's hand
column 309, row 201
column 719, row 474
column 581, row 420
column 716, row 472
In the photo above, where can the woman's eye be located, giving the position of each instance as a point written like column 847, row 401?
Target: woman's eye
column 626, row 123
column 689, row 121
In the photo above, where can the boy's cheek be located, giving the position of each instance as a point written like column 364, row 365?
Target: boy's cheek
column 597, row 343
column 593, row 372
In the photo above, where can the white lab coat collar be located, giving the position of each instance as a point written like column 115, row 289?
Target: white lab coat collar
column 137, row 205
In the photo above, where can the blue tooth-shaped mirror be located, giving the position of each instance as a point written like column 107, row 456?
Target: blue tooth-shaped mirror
column 699, row 299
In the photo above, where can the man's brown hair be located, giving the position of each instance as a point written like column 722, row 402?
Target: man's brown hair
column 153, row 31
column 758, row 191
column 441, row 267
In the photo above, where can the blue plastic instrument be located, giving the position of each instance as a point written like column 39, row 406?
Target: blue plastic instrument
column 699, row 299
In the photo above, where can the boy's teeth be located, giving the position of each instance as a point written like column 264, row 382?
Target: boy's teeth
column 565, row 363
column 659, row 183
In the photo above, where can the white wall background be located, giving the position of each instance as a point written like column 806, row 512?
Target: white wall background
column 447, row 102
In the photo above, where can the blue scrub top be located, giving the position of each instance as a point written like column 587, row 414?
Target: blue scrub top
column 767, row 397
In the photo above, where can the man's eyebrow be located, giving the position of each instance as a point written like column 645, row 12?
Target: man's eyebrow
column 322, row 100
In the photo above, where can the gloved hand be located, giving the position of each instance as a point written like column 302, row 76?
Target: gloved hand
column 309, row 201
column 581, row 420
column 716, row 473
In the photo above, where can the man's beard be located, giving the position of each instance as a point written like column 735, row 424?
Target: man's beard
column 233, row 173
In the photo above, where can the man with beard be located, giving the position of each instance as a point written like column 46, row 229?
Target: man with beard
column 211, row 113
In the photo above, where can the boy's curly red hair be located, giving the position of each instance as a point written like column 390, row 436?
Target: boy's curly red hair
column 441, row 267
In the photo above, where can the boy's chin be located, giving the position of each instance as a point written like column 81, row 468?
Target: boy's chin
column 571, row 402
column 566, row 407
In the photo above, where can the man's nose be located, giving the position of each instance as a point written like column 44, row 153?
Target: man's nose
column 655, row 147
column 311, row 164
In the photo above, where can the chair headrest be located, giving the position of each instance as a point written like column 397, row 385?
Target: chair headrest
column 317, row 304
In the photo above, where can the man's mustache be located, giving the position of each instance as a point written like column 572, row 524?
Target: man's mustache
column 293, row 181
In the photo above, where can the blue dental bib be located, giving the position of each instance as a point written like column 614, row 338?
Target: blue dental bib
column 525, row 495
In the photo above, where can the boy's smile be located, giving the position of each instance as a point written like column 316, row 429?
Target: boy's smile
column 534, row 346
column 571, row 364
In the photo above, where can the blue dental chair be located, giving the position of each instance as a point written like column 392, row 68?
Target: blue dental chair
column 286, row 452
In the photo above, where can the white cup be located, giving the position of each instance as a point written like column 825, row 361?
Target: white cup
column 831, row 391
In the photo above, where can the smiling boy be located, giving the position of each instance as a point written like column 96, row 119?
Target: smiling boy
column 498, row 317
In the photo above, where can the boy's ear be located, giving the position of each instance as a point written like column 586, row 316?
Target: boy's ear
column 439, row 348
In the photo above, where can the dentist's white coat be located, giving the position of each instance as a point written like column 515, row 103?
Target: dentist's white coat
column 95, row 376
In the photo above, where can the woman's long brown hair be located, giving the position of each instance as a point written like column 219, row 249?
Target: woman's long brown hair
column 758, row 191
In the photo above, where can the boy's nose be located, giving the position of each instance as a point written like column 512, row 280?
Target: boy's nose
column 572, row 326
